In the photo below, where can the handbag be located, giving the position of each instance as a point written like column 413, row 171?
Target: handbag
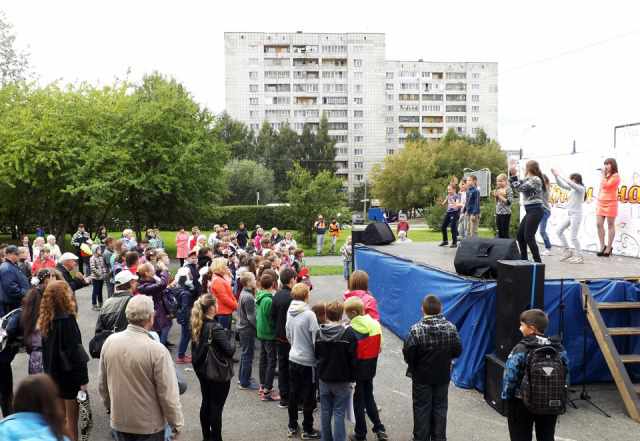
column 85, row 416
column 96, row 343
column 217, row 368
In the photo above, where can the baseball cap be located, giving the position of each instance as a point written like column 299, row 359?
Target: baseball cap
column 68, row 256
column 124, row 276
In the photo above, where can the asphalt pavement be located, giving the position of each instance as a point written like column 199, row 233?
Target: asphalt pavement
column 246, row 418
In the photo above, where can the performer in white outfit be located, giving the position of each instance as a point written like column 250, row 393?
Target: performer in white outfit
column 574, row 209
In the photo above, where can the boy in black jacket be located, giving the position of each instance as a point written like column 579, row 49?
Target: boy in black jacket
column 336, row 355
column 428, row 350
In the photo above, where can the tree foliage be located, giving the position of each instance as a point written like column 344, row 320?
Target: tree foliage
column 311, row 195
column 244, row 178
column 418, row 174
column 14, row 63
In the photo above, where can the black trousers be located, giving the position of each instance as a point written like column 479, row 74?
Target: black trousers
column 527, row 232
column 6, row 388
column 364, row 402
column 122, row 436
column 301, row 391
column 214, row 395
column 521, row 423
column 450, row 219
column 283, row 349
column 502, row 225
column 430, row 405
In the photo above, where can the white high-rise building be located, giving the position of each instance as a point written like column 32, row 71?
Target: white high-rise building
column 371, row 104
column 295, row 77
column 431, row 97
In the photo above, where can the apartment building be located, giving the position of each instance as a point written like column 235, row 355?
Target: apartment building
column 295, row 77
column 372, row 105
column 430, row 98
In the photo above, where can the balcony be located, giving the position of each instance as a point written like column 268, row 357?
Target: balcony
column 433, row 119
column 305, row 63
column 305, row 101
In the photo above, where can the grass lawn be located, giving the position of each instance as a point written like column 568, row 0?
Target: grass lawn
column 326, row 270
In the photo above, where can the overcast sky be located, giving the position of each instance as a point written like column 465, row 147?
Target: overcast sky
column 569, row 68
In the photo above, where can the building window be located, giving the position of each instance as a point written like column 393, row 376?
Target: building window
column 456, row 108
column 343, row 151
column 456, row 75
column 493, row 88
column 358, row 138
column 358, row 151
column 390, row 130
column 359, row 178
column 390, row 151
column 253, row 87
column 253, row 101
column 358, row 113
column 408, row 119
column 254, row 126
column 389, row 96
column 475, row 130
column 389, row 86
column 475, row 76
column 253, row 75
column 475, row 86
column 253, row 114
column 389, row 108
column 336, row 113
column 338, row 126
column 426, row 74
column 357, row 126
column 358, row 165
column 357, row 88
column 456, row 119
column 475, row 98
column 475, row 109
column 280, row 100
column 339, row 138
column 334, row 100
column 357, row 76
column 389, row 75
column 358, row 100
column 277, row 113
column 357, row 63
column 388, row 119
column 474, row 119
column 430, row 107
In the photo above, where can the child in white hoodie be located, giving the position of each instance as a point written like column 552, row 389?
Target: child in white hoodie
column 574, row 208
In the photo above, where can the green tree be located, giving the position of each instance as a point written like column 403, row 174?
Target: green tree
column 312, row 195
column 324, row 151
column 14, row 63
column 244, row 179
column 280, row 157
column 237, row 136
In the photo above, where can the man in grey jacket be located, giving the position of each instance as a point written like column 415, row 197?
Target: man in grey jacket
column 246, row 327
column 302, row 328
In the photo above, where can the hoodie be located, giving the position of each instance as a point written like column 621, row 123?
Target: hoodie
column 369, row 338
column 279, row 310
column 246, row 311
column 336, row 353
column 302, row 327
column 264, row 325
column 370, row 303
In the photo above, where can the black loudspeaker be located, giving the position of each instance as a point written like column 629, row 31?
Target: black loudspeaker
column 356, row 236
column 520, row 287
column 494, row 368
column 478, row 257
column 377, row 233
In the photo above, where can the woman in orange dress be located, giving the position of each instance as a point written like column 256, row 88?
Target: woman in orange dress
column 607, row 207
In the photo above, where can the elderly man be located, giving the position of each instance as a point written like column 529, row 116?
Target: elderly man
column 137, row 379
column 113, row 315
column 67, row 266
column 13, row 283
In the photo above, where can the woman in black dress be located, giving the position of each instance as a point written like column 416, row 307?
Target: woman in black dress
column 63, row 356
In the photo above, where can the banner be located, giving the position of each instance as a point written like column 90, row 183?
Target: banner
column 589, row 165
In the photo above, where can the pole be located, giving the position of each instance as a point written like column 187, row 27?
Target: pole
column 257, row 198
column 573, row 152
column 364, row 204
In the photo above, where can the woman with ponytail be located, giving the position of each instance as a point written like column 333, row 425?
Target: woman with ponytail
column 207, row 333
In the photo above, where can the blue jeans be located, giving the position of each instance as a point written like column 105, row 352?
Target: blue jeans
column 334, row 399
column 347, row 269
column 542, row 229
column 319, row 243
column 224, row 320
column 185, row 337
column 247, row 348
column 96, row 293
column 164, row 334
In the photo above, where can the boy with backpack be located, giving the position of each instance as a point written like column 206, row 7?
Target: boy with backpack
column 534, row 384
column 369, row 342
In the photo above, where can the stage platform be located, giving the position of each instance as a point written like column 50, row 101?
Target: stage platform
column 593, row 268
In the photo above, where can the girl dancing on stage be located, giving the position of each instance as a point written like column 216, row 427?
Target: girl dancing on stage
column 576, row 198
column 504, row 197
column 532, row 188
column 608, row 205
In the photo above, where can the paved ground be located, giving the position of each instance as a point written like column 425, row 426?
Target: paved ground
column 470, row 419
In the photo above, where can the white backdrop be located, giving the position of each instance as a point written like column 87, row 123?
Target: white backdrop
column 627, row 240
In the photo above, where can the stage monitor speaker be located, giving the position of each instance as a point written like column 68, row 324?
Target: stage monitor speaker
column 478, row 257
column 377, row 233
column 357, row 236
column 520, row 287
column 494, row 368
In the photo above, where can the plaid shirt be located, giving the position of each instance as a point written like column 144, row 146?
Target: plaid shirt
column 429, row 348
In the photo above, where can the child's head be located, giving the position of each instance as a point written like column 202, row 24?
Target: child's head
column 300, row 292
column 320, row 310
column 472, row 181
column 359, row 281
column 533, row 321
column 451, row 189
column 431, row 305
column 501, row 180
column 267, row 281
column 353, row 307
column 334, row 311
column 577, row 178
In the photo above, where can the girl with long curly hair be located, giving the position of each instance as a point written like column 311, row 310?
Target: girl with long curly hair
column 63, row 355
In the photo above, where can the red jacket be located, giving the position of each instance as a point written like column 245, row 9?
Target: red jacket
column 370, row 303
column 221, row 290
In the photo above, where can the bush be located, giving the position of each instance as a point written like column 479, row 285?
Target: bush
column 433, row 216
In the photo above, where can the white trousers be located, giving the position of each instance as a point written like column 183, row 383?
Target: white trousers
column 574, row 219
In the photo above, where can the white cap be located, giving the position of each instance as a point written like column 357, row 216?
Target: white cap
column 68, row 256
column 124, row 276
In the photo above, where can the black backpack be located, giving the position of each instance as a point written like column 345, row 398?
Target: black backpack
column 544, row 386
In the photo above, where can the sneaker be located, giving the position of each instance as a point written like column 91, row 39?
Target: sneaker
column 453, row 245
column 270, row 396
column 183, row 360
column 566, row 255
column 313, row 434
column 95, row 308
column 283, row 404
column 250, row 386
column 354, row 437
column 382, row 436
column 576, row 259
column 444, row 243
column 293, row 433
column 547, row 252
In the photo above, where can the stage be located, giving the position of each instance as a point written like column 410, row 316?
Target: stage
column 400, row 275
column 593, row 268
